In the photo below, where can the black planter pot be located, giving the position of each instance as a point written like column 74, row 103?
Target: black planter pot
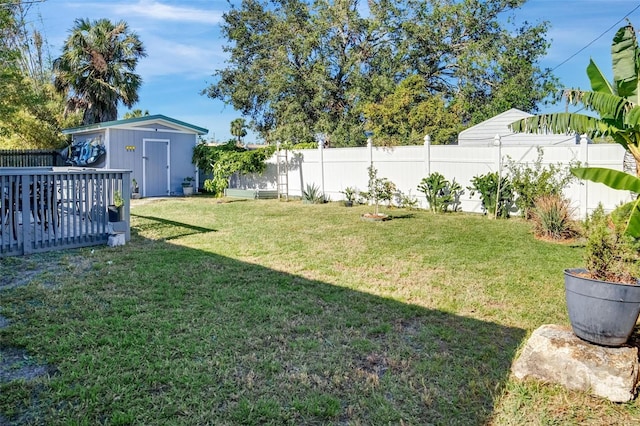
column 114, row 213
column 601, row 312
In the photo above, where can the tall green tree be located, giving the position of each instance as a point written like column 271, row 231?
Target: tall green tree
column 31, row 112
column 467, row 54
column 239, row 129
column 298, row 68
column 405, row 116
column 96, row 70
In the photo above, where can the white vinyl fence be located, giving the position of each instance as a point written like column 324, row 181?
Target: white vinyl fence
column 334, row 169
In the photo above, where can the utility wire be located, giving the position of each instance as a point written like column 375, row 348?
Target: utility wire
column 594, row 40
column 18, row 3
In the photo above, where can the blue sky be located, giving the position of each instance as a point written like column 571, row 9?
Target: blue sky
column 184, row 46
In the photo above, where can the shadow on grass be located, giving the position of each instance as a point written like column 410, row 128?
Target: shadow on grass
column 402, row 216
column 160, row 225
column 192, row 337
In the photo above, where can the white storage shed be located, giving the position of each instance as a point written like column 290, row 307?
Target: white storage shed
column 483, row 134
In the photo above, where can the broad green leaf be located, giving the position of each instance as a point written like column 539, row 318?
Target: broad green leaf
column 624, row 56
column 633, row 225
column 607, row 105
column 617, row 180
column 599, row 82
column 633, row 117
column 561, row 123
column 612, row 178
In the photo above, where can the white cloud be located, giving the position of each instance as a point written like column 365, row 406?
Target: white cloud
column 170, row 57
column 156, row 10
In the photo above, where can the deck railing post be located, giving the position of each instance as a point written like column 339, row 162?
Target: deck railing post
column 26, row 182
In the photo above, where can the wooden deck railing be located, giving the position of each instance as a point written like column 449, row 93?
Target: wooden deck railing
column 53, row 208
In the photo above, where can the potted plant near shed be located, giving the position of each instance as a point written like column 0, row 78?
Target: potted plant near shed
column 603, row 299
column 115, row 209
column 187, row 186
column 135, row 189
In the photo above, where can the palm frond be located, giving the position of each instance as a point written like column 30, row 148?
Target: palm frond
column 562, row 123
column 605, row 104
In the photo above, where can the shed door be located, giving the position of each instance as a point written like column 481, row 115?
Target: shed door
column 155, row 164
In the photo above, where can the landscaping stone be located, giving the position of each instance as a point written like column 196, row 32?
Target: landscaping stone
column 555, row 354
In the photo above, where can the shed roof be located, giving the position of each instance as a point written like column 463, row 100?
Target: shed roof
column 146, row 122
column 485, row 132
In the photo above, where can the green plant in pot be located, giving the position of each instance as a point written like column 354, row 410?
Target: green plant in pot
column 187, row 186
column 603, row 307
column 115, row 209
column 350, row 194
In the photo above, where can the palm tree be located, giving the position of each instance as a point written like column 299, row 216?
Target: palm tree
column 136, row 113
column 617, row 103
column 238, row 129
column 96, row 69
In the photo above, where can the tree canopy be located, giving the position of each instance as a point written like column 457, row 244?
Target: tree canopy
column 96, row 70
column 299, row 68
column 31, row 113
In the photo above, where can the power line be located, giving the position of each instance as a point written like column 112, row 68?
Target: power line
column 594, row 40
column 18, row 3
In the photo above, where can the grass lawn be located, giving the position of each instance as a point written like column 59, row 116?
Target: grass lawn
column 265, row 312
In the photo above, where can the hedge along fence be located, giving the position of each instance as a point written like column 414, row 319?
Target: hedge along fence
column 334, row 169
column 30, row 158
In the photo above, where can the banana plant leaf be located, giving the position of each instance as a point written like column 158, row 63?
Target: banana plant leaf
column 624, row 56
column 617, row 180
column 599, row 82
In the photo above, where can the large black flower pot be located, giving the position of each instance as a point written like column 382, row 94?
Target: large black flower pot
column 115, row 213
column 601, row 312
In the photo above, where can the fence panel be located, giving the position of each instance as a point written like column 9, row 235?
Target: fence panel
column 30, row 158
column 336, row 168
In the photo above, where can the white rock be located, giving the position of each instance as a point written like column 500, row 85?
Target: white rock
column 116, row 240
column 554, row 354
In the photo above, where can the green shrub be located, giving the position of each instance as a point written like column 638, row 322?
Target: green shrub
column 380, row 189
column 552, row 218
column 531, row 182
column 440, row 193
column 225, row 160
column 406, row 201
column 350, row 194
column 611, row 255
column 313, row 195
column 495, row 193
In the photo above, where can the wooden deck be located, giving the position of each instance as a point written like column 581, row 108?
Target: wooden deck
column 47, row 209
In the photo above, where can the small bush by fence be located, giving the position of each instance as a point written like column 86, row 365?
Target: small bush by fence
column 30, row 158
